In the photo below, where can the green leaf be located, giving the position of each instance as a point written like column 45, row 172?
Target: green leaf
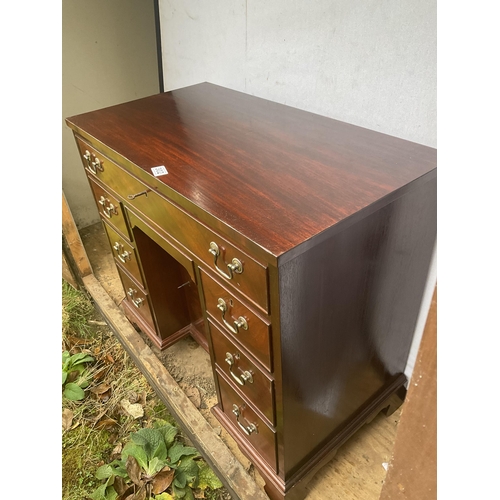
column 178, row 450
column 80, row 358
column 189, row 467
column 73, row 392
column 164, row 496
column 137, row 452
column 178, row 492
column 104, row 472
column 153, row 442
column 155, row 465
column 104, row 492
column 187, row 471
column 207, row 477
column 64, row 376
column 189, row 494
column 84, row 383
column 168, row 432
column 65, row 356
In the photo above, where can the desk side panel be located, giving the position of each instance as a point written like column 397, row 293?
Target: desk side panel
column 348, row 311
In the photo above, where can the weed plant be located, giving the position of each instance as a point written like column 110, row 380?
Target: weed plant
column 118, row 401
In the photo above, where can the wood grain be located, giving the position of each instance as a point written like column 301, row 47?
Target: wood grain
column 73, row 242
column 276, row 174
column 412, row 473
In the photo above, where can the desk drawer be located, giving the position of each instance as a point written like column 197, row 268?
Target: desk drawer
column 137, row 297
column 199, row 240
column 249, row 277
column 247, row 424
column 256, row 338
column 109, row 208
column 249, row 380
column 124, row 253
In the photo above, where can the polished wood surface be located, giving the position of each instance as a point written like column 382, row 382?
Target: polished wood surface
column 369, row 280
column 257, row 338
column 260, row 390
column 334, row 226
column 276, row 174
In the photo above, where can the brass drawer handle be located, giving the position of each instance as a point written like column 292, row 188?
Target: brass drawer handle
column 87, row 158
column 137, row 302
column 235, row 267
column 246, row 429
column 246, row 376
column 134, row 196
column 122, row 255
column 241, row 322
column 95, row 165
column 109, row 210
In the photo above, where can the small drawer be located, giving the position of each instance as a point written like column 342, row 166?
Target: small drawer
column 109, row 208
column 247, row 424
column 232, row 264
column 254, row 334
column 250, row 380
column 124, row 253
column 137, row 297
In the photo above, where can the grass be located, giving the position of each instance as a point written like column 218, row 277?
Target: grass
column 96, row 428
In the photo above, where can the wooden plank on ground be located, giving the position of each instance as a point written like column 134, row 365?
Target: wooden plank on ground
column 412, row 473
column 73, row 241
column 231, row 472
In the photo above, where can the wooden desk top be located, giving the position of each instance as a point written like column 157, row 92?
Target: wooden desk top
column 275, row 174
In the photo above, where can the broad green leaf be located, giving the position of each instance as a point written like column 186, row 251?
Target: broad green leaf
column 99, row 493
column 73, row 392
column 168, row 432
column 80, row 358
column 153, row 442
column 65, row 356
column 179, row 492
column 180, row 479
column 155, row 465
column 111, row 494
column 189, row 466
column 164, row 496
column 104, row 472
column 207, row 478
column 189, row 494
column 137, row 452
column 64, row 376
column 178, row 450
column 84, row 383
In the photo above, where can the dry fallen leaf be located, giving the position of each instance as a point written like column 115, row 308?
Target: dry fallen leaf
column 117, row 450
column 134, row 470
column 105, row 423
column 135, row 410
column 100, row 389
column 67, row 419
column 109, row 359
column 163, row 480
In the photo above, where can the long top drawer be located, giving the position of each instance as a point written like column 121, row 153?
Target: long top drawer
column 235, row 266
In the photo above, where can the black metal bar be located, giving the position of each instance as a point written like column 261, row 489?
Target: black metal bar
column 158, row 45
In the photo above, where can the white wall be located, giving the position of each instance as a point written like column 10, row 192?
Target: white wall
column 367, row 62
column 109, row 57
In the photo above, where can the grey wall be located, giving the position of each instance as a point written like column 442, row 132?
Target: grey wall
column 109, row 56
column 367, row 62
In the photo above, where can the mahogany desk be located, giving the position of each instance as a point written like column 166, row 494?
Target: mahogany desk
column 293, row 247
